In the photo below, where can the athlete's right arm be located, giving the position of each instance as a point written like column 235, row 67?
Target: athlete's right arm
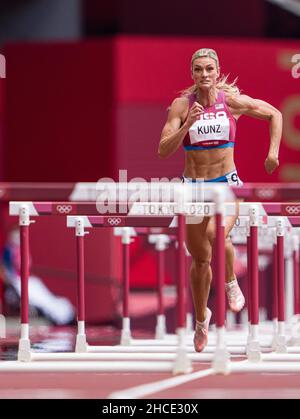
column 174, row 131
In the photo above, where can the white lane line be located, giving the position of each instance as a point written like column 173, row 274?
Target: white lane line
column 150, row 388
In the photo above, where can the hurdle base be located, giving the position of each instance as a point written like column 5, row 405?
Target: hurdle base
column 2, row 327
column 182, row 363
column 295, row 333
column 293, row 341
column 160, row 330
column 280, row 344
column 125, row 338
column 295, row 320
column 253, row 351
column 81, row 344
column 273, row 344
column 275, row 332
column 221, row 361
column 189, row 324
column 126, row 333
column 24, row 351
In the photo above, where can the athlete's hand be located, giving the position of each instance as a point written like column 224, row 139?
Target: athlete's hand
column 194, row 114
column 271, row 163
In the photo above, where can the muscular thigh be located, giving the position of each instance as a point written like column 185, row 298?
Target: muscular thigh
column 200, row 237
column 229, row 224
column 197, row 241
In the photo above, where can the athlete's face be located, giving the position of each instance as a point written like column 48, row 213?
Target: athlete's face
column 205, row 72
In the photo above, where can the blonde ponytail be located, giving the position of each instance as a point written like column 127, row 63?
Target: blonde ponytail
column 231, row 88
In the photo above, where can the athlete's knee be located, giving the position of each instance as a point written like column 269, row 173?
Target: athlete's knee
column 201, row 270
column 202, row 263
column 199, row 249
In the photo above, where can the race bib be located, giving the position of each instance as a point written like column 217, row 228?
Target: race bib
column 210, row 127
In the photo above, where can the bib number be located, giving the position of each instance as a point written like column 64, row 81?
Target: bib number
column 210, row 130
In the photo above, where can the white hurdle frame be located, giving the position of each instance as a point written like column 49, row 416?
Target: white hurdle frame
column 220, row 364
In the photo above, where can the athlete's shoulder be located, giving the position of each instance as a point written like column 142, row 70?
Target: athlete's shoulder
column 180, row 101
column 179, row 104
column 236, row 98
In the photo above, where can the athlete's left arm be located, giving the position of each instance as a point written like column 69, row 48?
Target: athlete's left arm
column 245, row 105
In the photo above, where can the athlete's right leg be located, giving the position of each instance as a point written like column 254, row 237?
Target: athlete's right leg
column 200, row 275
column 235, row 297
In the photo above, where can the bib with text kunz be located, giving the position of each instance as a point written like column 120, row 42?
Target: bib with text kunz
column 211, row 128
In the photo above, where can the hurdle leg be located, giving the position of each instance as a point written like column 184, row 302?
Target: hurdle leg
column 189, row 314
column 81, row 343
column 24, row 351
column 275, row 296
column 182, row 363
column 280, row 345
column 248, row 286
column 220, row 362
column 295, row 329
column 289, row 282
column 126, row 333
column 160, row 246
column 253, row 350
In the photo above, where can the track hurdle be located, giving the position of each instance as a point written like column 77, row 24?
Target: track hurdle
column 273, row 222
column 275, row 210
column 24, row 210
column 277, row 226
column 161, row 241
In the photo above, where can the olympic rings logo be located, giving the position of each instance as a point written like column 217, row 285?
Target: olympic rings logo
column 64, row 209
column 114, row 221
column 293, row 209
column 265, row 193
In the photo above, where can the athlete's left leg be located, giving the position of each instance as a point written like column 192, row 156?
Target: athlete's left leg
column 235, row 296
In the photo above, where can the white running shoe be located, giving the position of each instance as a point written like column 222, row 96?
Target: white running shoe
column 201, row 332
column 235, row 297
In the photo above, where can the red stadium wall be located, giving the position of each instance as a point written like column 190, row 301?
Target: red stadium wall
column 80, row 111
column 59, row 128
column 59, row 111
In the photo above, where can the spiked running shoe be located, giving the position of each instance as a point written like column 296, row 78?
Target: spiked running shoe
column 235, row 297
column 201, row 332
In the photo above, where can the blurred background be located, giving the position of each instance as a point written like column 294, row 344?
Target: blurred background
column 86, row 92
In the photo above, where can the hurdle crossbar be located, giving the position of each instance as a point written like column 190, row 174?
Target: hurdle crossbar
column 86, row 214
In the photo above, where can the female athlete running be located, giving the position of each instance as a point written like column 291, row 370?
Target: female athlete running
column 204, row 120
